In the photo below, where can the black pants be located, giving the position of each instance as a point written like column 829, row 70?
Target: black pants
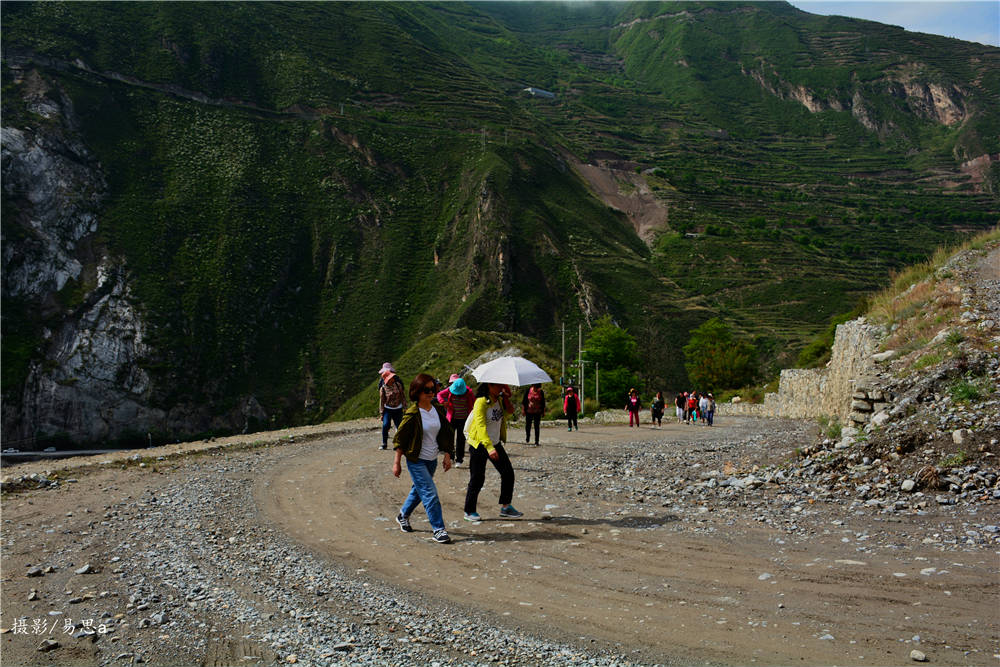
column 528, row 421
column 658, row 418
column 459, row 426
column 477, row 476
column 571, row 420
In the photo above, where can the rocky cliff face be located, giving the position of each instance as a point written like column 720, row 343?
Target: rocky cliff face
column 88, row 384
column 57, row 186
column 940, row 103
column 85, row 381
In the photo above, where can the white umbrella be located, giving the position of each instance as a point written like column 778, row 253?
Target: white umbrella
column 516, row 371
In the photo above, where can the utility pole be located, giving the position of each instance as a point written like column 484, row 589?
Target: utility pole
column 562, row 377
column 597, row 382
column 579, row 358
column 583, row 365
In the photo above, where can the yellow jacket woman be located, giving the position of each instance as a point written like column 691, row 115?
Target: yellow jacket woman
column 488, row 421
column 487, row 433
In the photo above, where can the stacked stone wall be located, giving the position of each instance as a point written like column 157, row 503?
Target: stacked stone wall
column 835, row 391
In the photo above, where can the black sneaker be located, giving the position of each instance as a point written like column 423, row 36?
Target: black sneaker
column 509, row 512
column 441, row 536
column 404, row 523
column 383, row 447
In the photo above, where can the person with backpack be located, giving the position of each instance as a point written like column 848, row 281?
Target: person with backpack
column 486, row 431
column 571, row 406
column 680, row 403
column 703, row 408
column 423, row 434
column 710, row 410
column 632, row 406
column 458, row 400
column 656, row 409
column 692, row 408
column 533, row 406
column 391, row 400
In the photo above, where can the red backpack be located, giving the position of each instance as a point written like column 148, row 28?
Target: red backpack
column 534, row 401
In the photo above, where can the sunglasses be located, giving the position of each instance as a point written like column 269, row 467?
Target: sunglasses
column 428, row 390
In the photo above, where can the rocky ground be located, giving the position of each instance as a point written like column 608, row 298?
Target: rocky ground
column 678, row 545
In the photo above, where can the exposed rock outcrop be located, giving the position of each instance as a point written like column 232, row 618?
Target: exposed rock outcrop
column 88, row 384
column 57, row 186
column 937, row 102
column 85, row 381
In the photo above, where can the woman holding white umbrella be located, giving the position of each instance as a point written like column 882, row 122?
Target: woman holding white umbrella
column 487, row 428
column 487, row 433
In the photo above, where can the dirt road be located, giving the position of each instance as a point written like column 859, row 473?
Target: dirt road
column 290, row 554
column 635, row 575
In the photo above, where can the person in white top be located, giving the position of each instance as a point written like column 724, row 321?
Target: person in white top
column 422, row 435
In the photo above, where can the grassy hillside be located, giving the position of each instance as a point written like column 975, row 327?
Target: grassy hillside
column 304, row 190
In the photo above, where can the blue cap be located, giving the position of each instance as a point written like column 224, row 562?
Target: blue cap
column 458, row 387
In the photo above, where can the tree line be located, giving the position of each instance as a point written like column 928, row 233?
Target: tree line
column 715, row 359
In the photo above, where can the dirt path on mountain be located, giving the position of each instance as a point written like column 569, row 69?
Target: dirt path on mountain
column 271, row 547
column 594, row 566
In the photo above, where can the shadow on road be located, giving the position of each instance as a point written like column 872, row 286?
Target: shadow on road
column 623, row 522
column 531, row 534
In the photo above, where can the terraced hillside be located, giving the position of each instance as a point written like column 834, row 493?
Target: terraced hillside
column 290, row 193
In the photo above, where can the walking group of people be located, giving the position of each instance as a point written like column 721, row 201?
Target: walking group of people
column 692, row 407
column 430, row 427
column 432, row 421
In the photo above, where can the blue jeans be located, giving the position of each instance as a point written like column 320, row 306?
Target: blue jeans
column 396, row 415
column 423, row 491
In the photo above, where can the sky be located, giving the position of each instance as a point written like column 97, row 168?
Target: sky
column 976, row 21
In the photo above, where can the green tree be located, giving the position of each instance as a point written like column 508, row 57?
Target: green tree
column 611, row 346
column 616, row 350
column 615, row 384
column 715, row 359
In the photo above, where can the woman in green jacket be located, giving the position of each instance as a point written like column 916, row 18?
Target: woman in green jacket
column 423, row 433
column 487, row 433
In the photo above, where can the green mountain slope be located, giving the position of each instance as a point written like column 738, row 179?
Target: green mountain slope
column 302, row 190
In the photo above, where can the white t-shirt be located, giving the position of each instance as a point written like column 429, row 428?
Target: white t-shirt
column 431, row 423
column 494, row 419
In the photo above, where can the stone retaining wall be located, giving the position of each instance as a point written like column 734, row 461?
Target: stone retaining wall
column 843, row 389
